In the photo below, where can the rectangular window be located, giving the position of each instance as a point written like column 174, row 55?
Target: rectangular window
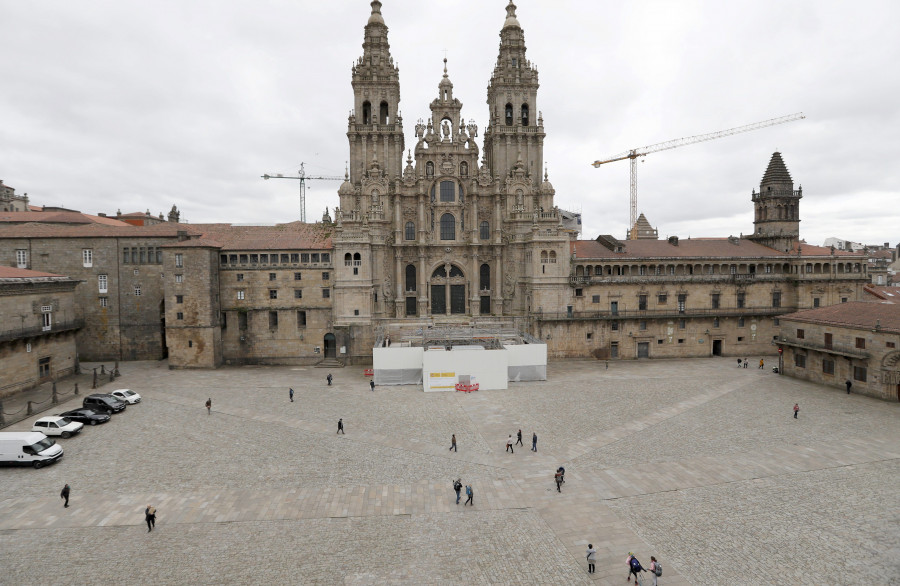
column 273, row 320
column 126, row 255
column 485, row 305
column 284, row 258
column 134, row 255
column 103, row 283
column 643, row 324
column 827, row 366
column 579, row 292
column 143, row 255
column 733, row 269
column 815, row 302
column 861, row 343
column 223, row 259
column 642, row 302
column 87, row 257
column 304, row 257
column 273, row 293
column 800, row 360
column 740, row 300
column 776, row 299
column 715, row 300
column 137, row 291
column 614, row 350
column 614, row 307
column 325, row 276
column 682, row 323
column 715, row 322
column 890, row 345
column 411, row 305
column 681, row 340
column 242, row 258
column 179, row 299
column 47, row 320
column 254, row 259
column 326, row 293
column 104, row 302
column 179, row 260
column 179, row 278
column 179, row 315
column 595, row 299
column 232, row 259
column 859, row 373
column 740, row 322
column 589, row 335
column 22, row 259
column 159, row 256
column 295, row 257
column 662, row 298
column 768, row 269
column 326, row 257
column 614, row 326
column 298, row 293
column 264, row 258
column 843, row 300
column 682, row 299
column 242, row 320
column 828, row 341
column 240, row 276
column 801, row 334
column 273, row 276
column 301, row 319
column 314, row 257
column 240, row 294
column 298, row 276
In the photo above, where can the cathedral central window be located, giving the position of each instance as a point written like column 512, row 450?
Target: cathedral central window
column 448, row 191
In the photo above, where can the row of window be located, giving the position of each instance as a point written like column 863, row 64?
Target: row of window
column 298, row 293
column 859, row 372
column 448, row 229
column 274, row 276
column 662, row 299
column 711, row 269
column 139, row 255
column 244, row 319
column 271, row 258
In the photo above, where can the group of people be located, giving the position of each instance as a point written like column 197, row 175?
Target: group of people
column 149, row 512
column 745, row 362
column 457, row 487
column 634, row 566
column 518, row 442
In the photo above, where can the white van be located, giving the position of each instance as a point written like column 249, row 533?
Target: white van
column 28, row 448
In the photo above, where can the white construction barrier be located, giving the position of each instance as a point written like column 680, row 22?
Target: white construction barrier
column 527, row 362
column 397, row 366
column 441, row 370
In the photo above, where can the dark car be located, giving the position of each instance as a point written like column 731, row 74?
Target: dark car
column 104, row 403
column 86, row 416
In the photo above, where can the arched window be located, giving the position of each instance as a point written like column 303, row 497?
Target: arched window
column 544, row 257
column 455, row 271
column 552, row 256
column 383, row 113
column 448, row 191
column 448, row 227
column 439, row 273
column 509, row 115
column 524, row 114
column 464, row 169
column 429, row 169
column 367, row 112
column 484, row 231
column 484, row 277
column 410, row 231
column 348, row 260
column 410, row 277
column 356, row 257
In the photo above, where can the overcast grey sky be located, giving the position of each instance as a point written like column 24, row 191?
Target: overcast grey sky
column 143, row 104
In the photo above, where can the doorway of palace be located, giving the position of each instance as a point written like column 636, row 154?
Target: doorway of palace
column 717, row 347
column 329, row 344
column 448, row 283
column 643, row 349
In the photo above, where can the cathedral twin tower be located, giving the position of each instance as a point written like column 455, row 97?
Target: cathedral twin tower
column 451, row 233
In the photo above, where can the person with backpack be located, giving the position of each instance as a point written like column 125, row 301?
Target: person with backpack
column 457, row 486
column 471, row 496
column 634, row 566
column 655, row 569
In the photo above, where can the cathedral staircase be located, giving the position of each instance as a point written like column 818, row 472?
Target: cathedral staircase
column 330, row 363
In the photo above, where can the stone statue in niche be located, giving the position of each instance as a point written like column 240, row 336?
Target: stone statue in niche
column 445, row 129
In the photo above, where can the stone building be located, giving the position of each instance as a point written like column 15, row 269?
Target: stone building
column 854, row 341
column 39, row 322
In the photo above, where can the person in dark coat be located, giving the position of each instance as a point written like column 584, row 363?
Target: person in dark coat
column 341, row 426
column 65, row 495
column 150, row 517
column 849, row 384
column 329, row 378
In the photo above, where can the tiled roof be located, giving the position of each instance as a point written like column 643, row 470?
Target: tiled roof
column 290, row 236
column 686, row 248
column 853, row 314
column 776, row 172
column 120, row 230
column 15, row 273
column 201, row 242
column 890, row 294
column 56, row 218
column 813, row 250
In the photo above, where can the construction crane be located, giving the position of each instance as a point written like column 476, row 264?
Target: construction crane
column 303, row 177
column 639, row 153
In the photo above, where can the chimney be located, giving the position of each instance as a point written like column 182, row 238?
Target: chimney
column 182, row 235
column 673, row 240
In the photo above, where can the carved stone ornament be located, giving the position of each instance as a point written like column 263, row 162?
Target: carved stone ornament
column 447, row 168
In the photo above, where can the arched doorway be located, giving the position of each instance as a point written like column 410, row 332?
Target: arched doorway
column 329, row 344
column 448, row 283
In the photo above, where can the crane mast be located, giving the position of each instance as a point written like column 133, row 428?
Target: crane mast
column 303, row 178
column 634, row 154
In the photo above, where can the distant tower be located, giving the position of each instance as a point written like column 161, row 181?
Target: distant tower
column 777, row 208
column 515, row 127
column 375, row 130
column 174, row 214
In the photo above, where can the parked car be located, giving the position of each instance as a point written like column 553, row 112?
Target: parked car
column 56, row 425
column 86, row 415
column 28, row 448
column 126, row 395
column 104, row 403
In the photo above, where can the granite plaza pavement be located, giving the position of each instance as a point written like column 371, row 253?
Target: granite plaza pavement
column 694, row 461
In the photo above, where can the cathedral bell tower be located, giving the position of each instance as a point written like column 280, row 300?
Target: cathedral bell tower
column 776, row 222
column 515, row 128
column 375, row 129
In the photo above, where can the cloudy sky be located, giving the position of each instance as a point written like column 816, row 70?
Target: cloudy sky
column 138, row 105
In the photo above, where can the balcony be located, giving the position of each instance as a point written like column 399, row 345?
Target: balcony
column 833, row 349
column 40, row 330
column 663, row 313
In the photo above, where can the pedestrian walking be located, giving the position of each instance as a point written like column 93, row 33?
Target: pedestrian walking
column 746, row 362
column 796, row 409
column 209, row 406
column 150, row 517
column 519, row 435
column 739, row 362
column 849, row 384
column 329, row 378
column 591, row 558
column 762, row 363
column 65, row 495
column 607, row 365
column 341, row 426
column 372, row 385
column 559, row 480
column 534, row 442
column 634, row 566
column 453, row 443
column 471, row 494
column 457, row 486
column 655, row 569
column 291, row 394
column 509, row 445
